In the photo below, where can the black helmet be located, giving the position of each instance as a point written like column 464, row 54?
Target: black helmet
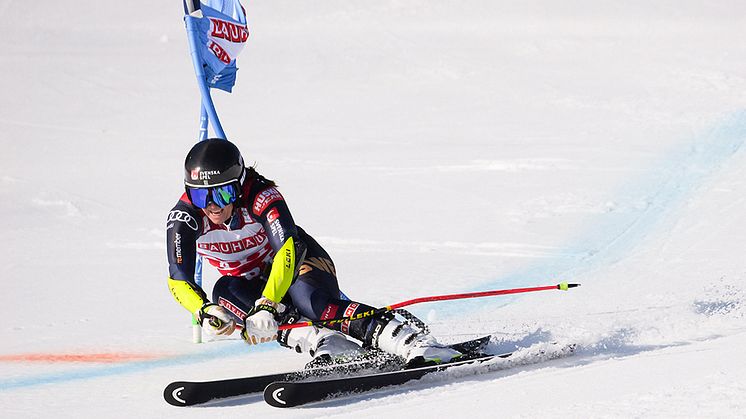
column 213, row 162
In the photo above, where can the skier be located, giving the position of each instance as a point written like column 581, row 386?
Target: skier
column 273, row 271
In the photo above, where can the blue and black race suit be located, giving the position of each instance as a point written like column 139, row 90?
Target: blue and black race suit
column 260, row 252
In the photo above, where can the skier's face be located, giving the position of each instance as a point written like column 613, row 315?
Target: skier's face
column 218, row 215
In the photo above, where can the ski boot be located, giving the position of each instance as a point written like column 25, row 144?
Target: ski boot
column 326, row 346
column 417, row 347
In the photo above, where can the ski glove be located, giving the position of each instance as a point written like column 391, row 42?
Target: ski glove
column 260, row 325
column 215, row 320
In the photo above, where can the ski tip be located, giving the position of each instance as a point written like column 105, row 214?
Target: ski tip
column 564, row 286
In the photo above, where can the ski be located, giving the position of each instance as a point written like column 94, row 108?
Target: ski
column 290, row 394
column 189, row 393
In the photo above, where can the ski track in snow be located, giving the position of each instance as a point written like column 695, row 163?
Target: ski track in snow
column 685, row 168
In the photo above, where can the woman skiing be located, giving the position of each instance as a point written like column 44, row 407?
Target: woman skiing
column 273, row 271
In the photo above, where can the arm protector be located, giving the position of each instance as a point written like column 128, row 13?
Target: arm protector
column 284, row 268
column 182, row 229
column 187, row 295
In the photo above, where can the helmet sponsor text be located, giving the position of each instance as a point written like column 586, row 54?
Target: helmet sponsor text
column 198, row 174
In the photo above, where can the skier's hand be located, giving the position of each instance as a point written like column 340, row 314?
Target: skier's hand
column 261, row 323
column 215, row 320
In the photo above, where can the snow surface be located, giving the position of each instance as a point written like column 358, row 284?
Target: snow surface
column 432, row 147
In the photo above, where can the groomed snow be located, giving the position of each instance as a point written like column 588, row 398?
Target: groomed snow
column 432, row 147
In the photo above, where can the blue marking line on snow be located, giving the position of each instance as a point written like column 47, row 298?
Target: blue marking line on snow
column 648, row 202
column 90, row 372
column 647, row 205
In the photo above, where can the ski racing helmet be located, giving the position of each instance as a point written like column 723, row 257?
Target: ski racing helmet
column 213, row 172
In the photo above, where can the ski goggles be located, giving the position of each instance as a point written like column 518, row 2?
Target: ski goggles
column 222, row 196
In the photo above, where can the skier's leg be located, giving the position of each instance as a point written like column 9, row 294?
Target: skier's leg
column 386, row 333
column 237, row 295
column 310, row 294
column 316, row 295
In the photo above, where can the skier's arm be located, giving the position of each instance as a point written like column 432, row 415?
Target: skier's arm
column 189, row 295
column 273, row 213
column 181, row 237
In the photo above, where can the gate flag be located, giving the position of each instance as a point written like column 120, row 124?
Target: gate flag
column 222, row 34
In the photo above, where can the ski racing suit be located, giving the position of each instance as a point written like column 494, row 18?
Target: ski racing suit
column 260, row 252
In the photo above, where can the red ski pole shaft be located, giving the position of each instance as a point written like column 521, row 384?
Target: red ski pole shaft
column 478, row 294
column 562, row 286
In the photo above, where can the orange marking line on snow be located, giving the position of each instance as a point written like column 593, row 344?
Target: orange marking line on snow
column 99, row 357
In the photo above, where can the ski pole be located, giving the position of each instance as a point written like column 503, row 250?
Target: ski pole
column 564, row 286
